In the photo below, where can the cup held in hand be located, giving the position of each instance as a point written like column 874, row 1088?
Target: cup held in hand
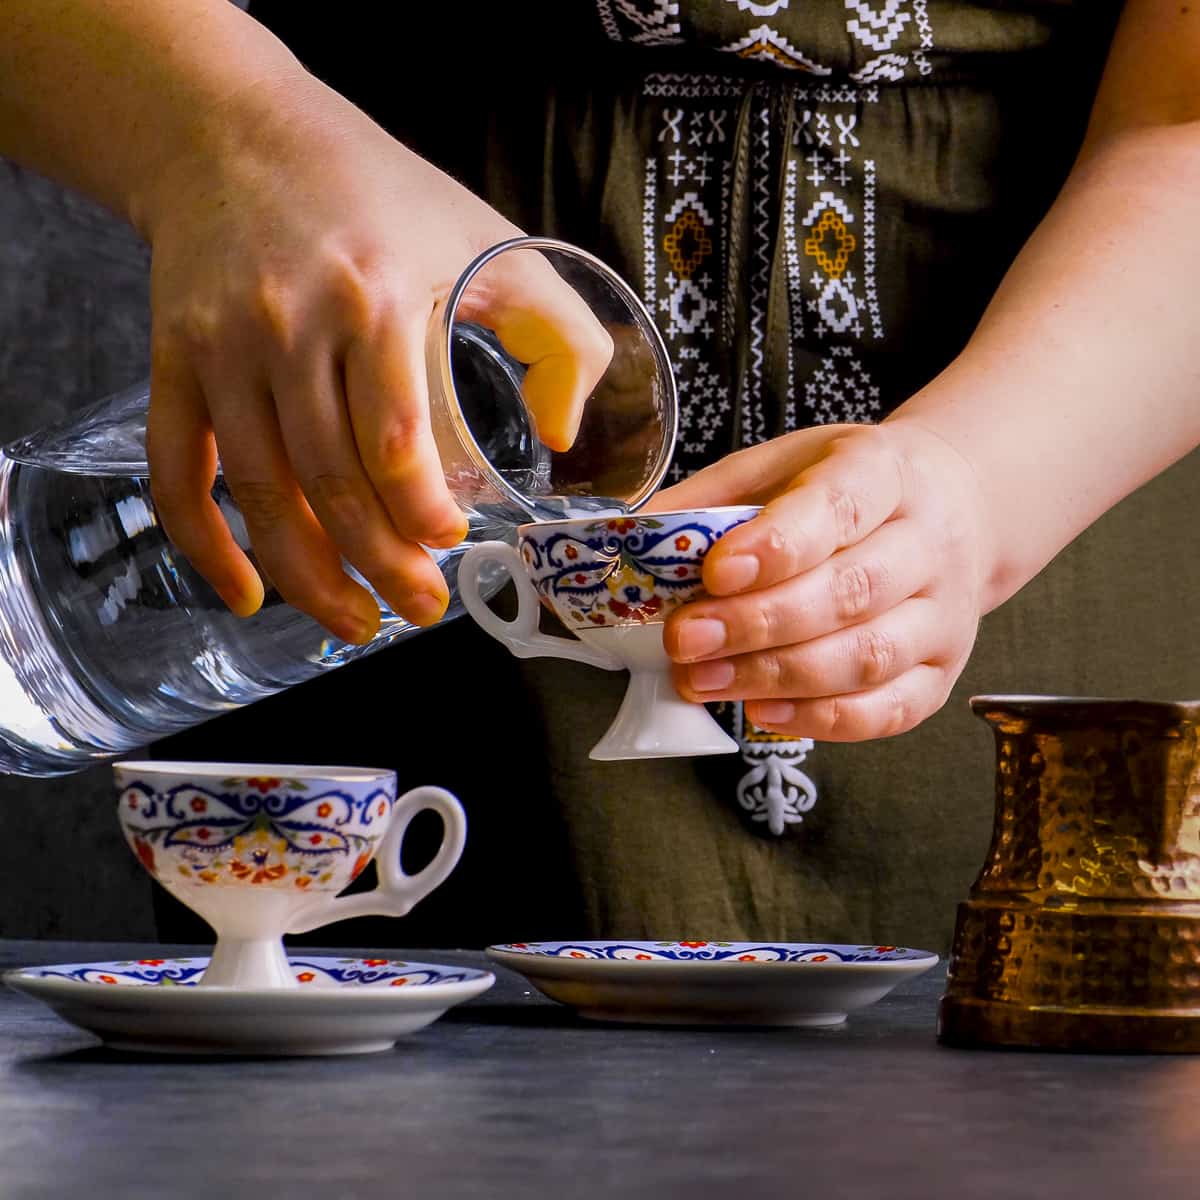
column 612, row 581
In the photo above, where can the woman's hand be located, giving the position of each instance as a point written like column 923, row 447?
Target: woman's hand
column 849, row 606
column 296, row 260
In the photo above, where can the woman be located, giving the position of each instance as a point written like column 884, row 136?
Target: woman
column 843, row 214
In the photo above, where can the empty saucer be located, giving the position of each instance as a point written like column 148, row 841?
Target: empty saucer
column 342, row 1006
column 713, row 983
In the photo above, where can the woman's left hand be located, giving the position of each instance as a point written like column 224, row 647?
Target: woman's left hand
column 848, row 607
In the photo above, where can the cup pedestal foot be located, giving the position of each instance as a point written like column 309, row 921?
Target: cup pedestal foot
column 248, row 963
column 655, row 722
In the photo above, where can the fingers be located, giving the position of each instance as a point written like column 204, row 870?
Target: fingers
column 837, row 501
column 322, row 453
column 893, row 708
column 754, row 475
column 182, row 456
column 850, row 587
column 387, row 398
column 855, row 659
column 543, row 322
column 295, row 551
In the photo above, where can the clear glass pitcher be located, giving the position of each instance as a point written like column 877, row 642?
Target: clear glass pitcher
column 109, row 639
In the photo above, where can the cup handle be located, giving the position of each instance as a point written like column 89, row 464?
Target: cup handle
column 397, row 892
column 521, row 635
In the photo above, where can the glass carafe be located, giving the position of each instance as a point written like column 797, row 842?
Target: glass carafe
column 108, row 637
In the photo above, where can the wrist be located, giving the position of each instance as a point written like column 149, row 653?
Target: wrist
column 217, row 145
column 941, row 472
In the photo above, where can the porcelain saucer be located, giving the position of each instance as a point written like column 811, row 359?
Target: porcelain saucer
column 713, row 983
column 341, row 1006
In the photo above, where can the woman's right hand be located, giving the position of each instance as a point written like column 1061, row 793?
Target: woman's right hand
column 297, row 253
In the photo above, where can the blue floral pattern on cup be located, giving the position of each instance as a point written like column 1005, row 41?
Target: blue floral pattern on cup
column 261, row 830
column 618, row 570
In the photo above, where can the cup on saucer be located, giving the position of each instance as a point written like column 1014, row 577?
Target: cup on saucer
column 612, row 581
column 259, row 850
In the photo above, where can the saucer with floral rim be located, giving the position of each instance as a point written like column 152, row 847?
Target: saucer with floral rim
column 341, row 1006
column 713, row 983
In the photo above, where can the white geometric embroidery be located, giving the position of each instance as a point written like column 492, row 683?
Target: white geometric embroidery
column 681, row 321
column 672, row 126
column 873, row 310
column 886, row 66
column 649, row 255
column 655, row 26
column 828, row 200
column 838, row 304
column 769, row 9
column 774, row 790
column 608, row 20
column 877, row 30
column 754, row 419
column 926, row 31
column 840, row 391
column 845, row 123
column 688, row 200
column 762, row 42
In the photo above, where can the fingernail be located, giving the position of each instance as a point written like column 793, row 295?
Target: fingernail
column 733, row 574
column 426, row 608
column 773, row 712
column 700, row 636
column 354, row 629
column 711, row 676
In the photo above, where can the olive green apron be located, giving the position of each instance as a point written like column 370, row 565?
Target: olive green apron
column 815, row 199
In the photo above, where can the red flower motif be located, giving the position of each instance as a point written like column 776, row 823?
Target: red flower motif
column 263, row 784
column 682, row 542
column 819, row 958
column 682, row 572
column 382, row 810
column 133, row 802
column 693, row 945
column 520, row 945
column 622, row 524
column 643, row 957
column 596, row 618
column 572, row 553
column 303, row 881
column 581, row 579
column 199, row 804
column 151, row 962
column 578, row 954
column 107, row 979
column 747, row 958
column 305, row 977
column 374, row 962
column 145, row 854
column 323, row 810
column 314, row 839
column 884, row 949
column 203, row 833
column 360, row 865
column 398, row 982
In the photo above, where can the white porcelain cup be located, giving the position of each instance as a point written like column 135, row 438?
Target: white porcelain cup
column 612, row 581
column 259, row 850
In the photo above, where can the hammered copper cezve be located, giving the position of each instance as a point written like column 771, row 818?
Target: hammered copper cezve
column 1082, row 931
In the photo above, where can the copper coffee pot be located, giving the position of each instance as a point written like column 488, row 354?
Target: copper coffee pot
column 1082, row 931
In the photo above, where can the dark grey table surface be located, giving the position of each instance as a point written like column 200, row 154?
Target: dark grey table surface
column 512, row 1096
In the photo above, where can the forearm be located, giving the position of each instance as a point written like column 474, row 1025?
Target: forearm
column 1082, row 380
column 103, row 95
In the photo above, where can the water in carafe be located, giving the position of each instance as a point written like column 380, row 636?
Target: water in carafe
column 109, row 638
